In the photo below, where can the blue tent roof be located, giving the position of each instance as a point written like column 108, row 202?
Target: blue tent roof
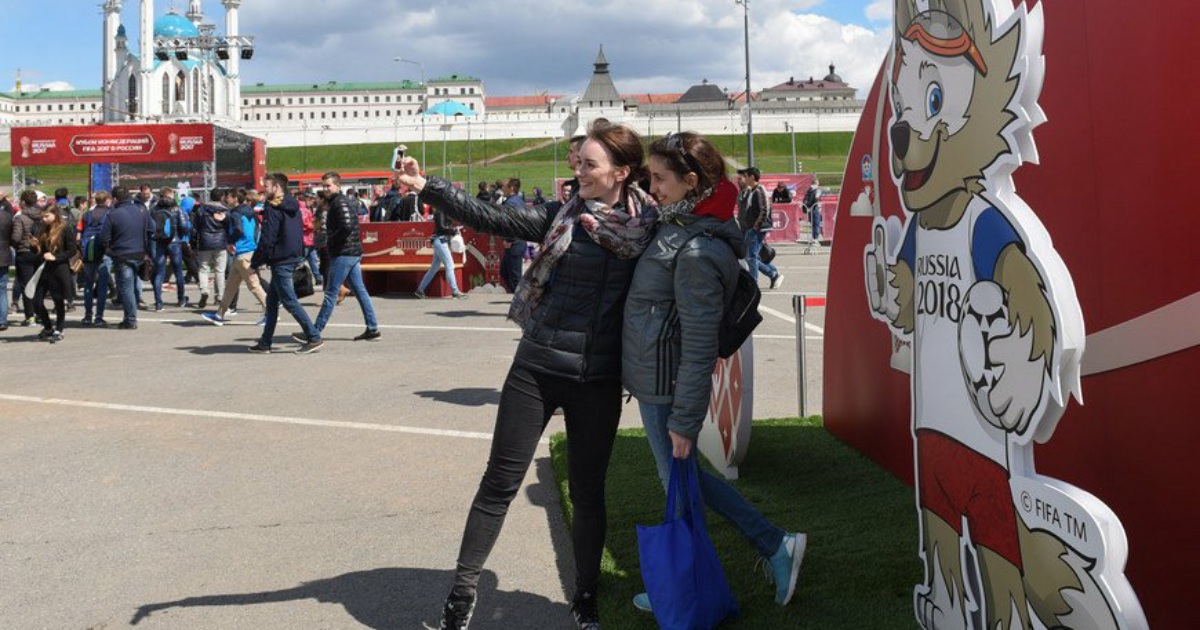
column 450, row 108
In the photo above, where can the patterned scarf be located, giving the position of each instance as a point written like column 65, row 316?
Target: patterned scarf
column 718, row 201
column 624, row 231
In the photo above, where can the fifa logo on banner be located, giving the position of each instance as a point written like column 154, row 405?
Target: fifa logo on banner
column 173, row 141
column 25, row 144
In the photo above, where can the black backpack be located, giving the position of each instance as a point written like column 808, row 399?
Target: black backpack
column 741, row 315
column 89, row 242
column 164, row 230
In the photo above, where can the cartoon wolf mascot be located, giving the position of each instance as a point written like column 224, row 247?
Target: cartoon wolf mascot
column 972, row 279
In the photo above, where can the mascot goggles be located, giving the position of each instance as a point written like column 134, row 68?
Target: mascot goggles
column 941, row 34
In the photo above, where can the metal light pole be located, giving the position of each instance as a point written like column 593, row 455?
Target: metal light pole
column 424, row 95
column 749, row 110
column 792, row 129
column 468, row 184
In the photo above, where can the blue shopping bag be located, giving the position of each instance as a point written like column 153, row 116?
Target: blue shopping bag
column 683, row 578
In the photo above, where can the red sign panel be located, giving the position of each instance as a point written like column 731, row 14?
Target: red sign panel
column 47, row 146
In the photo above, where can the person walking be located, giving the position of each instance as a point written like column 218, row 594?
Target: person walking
column 243, row 240
column 569, row 306
column 56, row 245
column 443, row 231
column 97, row 266
column 514, row 254
column 678, row 294
column 753, row 213
column 211, row 225
column 281, row 246
column 126, row 237
column 812, row 204
column 310, row 222
column 186, row 205
column 345, row 254
column 6, row 232
column 166, row 245
column 27, row 226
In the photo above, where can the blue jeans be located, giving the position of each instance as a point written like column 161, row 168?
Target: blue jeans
column 161, row 251
column 754, row 243
column 127, row 273
column 815, row 217
column 95, row 286
column 341, row 269
column 3, row 295
column 718, row 495
column 441, row 259
column 314, row 263
column 283, row 291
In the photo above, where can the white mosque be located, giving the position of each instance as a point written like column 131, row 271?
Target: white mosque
column 183, row 71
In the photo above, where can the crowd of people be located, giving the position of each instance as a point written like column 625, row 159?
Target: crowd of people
column 108, row 245
column 630, row 273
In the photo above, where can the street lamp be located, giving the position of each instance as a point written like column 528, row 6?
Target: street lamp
column 749, row 115
column 424, row 94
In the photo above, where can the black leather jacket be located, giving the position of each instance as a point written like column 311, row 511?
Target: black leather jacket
column 575, row 331
column 341, row 225
column 442, row 225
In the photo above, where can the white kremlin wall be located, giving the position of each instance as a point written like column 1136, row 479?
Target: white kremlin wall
column 408, row 129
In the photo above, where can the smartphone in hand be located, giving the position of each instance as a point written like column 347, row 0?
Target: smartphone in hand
column 398, row 157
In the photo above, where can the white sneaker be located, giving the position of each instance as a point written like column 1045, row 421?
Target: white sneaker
column 777, row 281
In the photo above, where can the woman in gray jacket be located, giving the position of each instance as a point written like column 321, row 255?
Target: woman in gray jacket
column 672, row 316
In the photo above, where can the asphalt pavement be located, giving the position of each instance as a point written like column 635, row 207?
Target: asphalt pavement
column 168, row 478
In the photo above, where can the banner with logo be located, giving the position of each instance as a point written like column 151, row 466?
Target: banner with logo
column 111, row 144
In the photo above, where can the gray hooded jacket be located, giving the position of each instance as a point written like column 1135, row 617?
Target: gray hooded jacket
column 673, row 315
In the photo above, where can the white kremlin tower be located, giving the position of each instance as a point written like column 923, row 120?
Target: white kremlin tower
column 183, row 72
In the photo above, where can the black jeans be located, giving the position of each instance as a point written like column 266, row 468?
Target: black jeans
column 27, row 264
column 56, row 281
column 592, row 412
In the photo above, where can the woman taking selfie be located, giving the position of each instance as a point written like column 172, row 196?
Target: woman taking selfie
column 56, row 244
column 672, row 317
column 569, row 305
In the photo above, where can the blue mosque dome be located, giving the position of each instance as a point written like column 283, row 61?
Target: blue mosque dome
column 175, row 25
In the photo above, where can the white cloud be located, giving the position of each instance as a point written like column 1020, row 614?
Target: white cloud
column 879, row 11
column 520, row 46
column 53, row 86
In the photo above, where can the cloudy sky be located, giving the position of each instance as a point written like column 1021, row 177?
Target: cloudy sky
column 516, row 46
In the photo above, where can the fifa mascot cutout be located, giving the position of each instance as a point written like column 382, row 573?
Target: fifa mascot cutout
column 972, row 279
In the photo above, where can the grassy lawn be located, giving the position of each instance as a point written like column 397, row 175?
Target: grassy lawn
column 861, row 564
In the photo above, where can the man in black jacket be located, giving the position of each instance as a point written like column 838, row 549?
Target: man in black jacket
column 126, row 237
column 281, row 246
column 345, row 259
column 211, row 223
column 753, row 214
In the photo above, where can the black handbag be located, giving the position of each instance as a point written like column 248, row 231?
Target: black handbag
column 766, row 254
column 302, row 280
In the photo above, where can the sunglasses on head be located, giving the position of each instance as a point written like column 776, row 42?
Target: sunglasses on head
column 675, row 143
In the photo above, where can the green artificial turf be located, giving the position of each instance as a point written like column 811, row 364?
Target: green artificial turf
column 861, row 564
